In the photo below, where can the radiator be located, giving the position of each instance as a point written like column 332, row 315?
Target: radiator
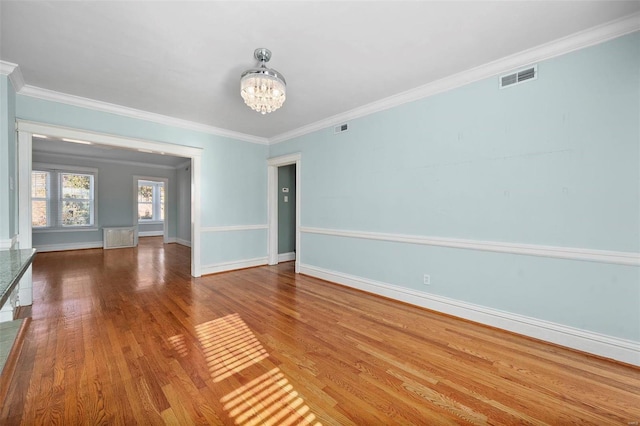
column 118, row 237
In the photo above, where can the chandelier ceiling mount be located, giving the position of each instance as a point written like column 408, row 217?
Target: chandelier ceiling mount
column 263, row 89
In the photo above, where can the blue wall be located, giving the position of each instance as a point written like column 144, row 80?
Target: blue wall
column 8, row 158
column 234, row 172
column 551, row 162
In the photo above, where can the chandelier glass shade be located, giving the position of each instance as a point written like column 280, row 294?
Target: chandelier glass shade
column 263, row 89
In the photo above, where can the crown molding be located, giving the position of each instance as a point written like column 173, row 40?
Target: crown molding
column 50, row 95
column 7, row 68
column 573, row 42
column 12, row 71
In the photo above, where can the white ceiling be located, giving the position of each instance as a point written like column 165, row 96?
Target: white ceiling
column 96, row 152
column 184, row 59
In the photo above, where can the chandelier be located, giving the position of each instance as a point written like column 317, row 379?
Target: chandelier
column 263, row 89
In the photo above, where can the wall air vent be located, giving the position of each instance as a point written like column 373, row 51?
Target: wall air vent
column 341, row 128
column 527, row 74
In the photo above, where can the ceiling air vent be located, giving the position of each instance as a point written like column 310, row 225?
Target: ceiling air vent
column 341, row 128
column 530, row 73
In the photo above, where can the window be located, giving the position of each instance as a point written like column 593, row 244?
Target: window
column 150, row 201
column 77, row 199
column 62, row 198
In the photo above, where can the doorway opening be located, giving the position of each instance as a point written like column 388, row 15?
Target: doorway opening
column 284, row 204
column 193, row 155
column 287, row 213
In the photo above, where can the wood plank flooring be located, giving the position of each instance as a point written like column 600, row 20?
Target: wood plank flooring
column 125, row 337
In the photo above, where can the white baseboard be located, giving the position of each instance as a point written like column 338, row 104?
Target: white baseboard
column 599, row 344
column 230, row 266
column 151, row 233
column 9, row 243
column 69, row 246
column 285, row 257
column 183, row 242
column 6, row 314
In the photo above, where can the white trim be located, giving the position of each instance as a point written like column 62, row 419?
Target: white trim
column 570, row 253
column 14, row 73
column 232, row 228
column 233, row 265
column 104, row 160
column 284, row 160
column 595, row 343
column 196, row 216
column 6, row 68
column 579, row 40
column 272, row 213
column 182, row 242
column 152, row 234
column 286, row 257
column 50, row 95
column 27, row 128
column 8, row 243
column 46, row 230
column 272, row 204
column 68, row 246
column 24, row 208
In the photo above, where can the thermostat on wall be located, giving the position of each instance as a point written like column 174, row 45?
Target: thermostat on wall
column 285, row 189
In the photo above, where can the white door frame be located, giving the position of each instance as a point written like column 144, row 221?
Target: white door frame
column 165, row 223
column 272, row 205
column 27, row 128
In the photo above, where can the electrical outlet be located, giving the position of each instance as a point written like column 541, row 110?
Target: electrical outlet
column 427, row 279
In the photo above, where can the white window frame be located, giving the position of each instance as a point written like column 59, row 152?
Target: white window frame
column 156, row 205
column 46, row 199
column 55, row 200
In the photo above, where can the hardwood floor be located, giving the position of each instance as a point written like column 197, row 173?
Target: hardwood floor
column 123, row 337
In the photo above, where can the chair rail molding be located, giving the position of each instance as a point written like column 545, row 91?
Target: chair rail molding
column 570, row 253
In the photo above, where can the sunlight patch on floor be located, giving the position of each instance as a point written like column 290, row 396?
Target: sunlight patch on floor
column 229, row 346
column 269, row 399
column 179, row 345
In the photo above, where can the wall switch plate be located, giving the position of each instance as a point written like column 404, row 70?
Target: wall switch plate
column 286, row 198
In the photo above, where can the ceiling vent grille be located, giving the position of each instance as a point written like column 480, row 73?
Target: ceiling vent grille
column 341, row 128
column 527, row 74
